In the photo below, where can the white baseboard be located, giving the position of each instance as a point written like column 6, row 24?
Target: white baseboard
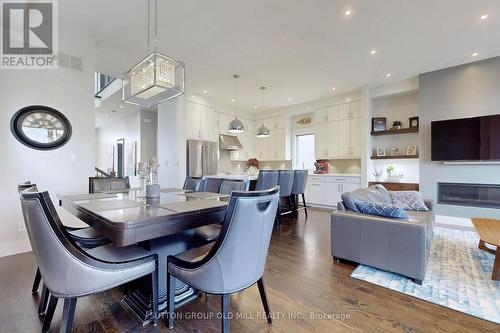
column 454, row 222
column 8, row 249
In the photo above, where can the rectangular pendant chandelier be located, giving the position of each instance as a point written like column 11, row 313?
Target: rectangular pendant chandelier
column 154, row 80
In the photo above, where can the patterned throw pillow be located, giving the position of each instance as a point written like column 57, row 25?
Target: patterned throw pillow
column 381, row 209
column 408, row 200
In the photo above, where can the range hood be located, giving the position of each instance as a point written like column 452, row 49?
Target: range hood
column 229, row 142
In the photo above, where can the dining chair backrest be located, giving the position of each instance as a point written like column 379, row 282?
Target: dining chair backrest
column 101, row 184
column 285, row 182
column 23, row 186
column 210, row 185
column 238, row 257
column 192, row 184
column 67, row 271
column 299, row 181
column 229, row 185
column 266, row 180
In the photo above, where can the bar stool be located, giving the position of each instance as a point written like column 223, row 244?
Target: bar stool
column 299, row 188
column 267, row 179
column 285, row 182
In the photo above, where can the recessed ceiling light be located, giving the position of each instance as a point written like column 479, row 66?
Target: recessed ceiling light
column 484, row 17
column 348, row 99
column 106, row 115
column 388, row 75
column 255, row 107
column 348, row 12
column 289, row 99
column 373, row 51
column 475, row 54
column 334, row 88
column 121, row 106
column 205, row 91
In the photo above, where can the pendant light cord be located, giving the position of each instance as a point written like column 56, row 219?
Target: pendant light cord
column 156, row 25
column 236, row 76
column 149, row 24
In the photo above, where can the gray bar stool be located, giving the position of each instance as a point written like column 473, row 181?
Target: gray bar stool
column 299, row 188
column 210, row 185
column 267, row 179
column 285, row 182
column 192, row 184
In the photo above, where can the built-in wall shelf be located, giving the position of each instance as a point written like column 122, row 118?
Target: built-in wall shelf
column 398, row 157
column 396, row 131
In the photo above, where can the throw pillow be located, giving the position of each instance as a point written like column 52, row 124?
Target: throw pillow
column 381, row 209
column 408, row 200
column 374, row 193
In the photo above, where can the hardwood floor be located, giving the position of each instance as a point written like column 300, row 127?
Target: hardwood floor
column 303, row 284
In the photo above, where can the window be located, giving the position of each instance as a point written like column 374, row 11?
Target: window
column 304, row 152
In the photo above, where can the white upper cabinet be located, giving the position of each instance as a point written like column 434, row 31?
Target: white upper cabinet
column 277, row 146
column 224, row 120
column 192, row 121
column 338, row 131
column 209, row 127
column 247, row 141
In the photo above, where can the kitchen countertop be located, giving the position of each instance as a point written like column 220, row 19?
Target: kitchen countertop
column 233, row 176
column 335, row 175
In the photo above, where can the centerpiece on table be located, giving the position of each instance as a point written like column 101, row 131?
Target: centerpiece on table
column 148, row 173
column 253, row 167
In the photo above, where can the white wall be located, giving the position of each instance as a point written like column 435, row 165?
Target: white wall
column 62, row 170
column 457, row 92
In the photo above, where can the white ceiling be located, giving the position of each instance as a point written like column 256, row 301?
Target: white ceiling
column 298, row 48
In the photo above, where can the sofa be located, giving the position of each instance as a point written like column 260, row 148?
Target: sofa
column 396, row 245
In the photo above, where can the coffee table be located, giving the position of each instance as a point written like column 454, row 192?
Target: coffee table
column 489, row 232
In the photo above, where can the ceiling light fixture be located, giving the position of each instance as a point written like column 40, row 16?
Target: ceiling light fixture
column 348, row 12
column 475, row 54
column 155, row 79
column 236, row 126
column 263, row 131
column 373, row 51
column 484, row 17
column 334, row 88
column 205, row 91
column 289, row 99
column 121, row 106
column 255, row 107
column 388, row 75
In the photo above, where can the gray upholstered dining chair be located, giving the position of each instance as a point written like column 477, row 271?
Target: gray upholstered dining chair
column 267, row 179
column 299, row 188
column 209, row 233
column 237, row 259
column 192, row 184
column 69, row 272
column 285, row 182
column 86, row 237
column 101, row 184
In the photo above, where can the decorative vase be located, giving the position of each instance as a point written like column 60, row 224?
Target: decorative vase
column 377, row 179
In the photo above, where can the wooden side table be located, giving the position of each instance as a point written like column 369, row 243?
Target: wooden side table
column 489, row 232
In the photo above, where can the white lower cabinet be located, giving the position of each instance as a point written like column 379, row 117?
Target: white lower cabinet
column 326, row 190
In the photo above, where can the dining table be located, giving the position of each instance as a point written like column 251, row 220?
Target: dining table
column 163, row 225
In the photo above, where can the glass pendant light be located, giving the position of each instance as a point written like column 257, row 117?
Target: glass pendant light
column 155, row 79
column 236, row 126
column 263, row 131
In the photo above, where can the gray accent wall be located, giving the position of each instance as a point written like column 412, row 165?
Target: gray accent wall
column 149, row 135
column 459, row 92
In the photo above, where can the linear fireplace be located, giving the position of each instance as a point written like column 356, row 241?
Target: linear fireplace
column 475, row 195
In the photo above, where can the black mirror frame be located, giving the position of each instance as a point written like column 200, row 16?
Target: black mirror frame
column 15, row 127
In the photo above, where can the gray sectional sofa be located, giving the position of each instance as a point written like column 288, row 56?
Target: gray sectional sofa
column 395, row 245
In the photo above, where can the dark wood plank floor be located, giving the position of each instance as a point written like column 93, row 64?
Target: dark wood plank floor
column 303, row 284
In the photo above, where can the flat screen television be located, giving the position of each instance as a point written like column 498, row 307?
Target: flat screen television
column 468, row 139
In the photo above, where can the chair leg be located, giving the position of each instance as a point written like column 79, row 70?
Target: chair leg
column 154, row 295
column 170, row 301
column 36, row 282
column 304, row 202
column 50, row 314
column 68, row 315
column 44, row 298
column 226, row 322
column 263, row 297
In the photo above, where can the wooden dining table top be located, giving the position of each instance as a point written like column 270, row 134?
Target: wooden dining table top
column 126, row 217
column 488, row 230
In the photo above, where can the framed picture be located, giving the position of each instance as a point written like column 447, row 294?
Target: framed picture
column 380, row 151
column 394, row 151
column 414, row 122
column 411, row 150
column 378, row 124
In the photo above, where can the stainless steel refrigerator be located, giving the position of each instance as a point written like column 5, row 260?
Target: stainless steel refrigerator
column 201, row 158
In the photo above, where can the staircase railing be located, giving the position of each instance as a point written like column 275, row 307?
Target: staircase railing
column 103, row 174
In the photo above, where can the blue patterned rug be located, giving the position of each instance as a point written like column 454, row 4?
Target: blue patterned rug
column 458, row 276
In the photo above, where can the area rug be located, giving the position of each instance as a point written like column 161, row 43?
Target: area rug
column 458, row 276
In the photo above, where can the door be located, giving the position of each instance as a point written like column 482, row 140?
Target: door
column 304, row 152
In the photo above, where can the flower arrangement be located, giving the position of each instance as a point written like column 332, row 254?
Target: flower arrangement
column 253, row 162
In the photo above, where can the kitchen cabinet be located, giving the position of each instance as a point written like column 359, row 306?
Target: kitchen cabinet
column 192, row 121
column 326, row 190
column 277, row 146
column 209, row 119
column 246, row 139
column 338, row 131
column 200, row 122
column 261, row 148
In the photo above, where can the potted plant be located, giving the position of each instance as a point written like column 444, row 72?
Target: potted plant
column 253, row 167
column 377, row 174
